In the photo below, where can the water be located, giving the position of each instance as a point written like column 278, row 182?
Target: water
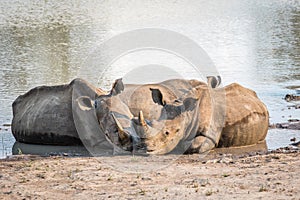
column 252, row 42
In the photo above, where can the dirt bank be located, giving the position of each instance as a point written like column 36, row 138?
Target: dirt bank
column 272, row 175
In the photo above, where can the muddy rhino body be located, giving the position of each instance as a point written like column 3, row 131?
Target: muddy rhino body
column 222, row 117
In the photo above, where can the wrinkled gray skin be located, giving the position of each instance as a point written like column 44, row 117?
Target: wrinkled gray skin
column 114, row 118
column 44, row 114
column 48, row 114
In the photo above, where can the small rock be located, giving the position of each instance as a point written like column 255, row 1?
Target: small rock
column 291, row 97
column 276, row 157
column 133, row 184
column 201, row 182
column 297, row 144
column 213, row 161
column 293, row 120
column 289, row 125
column 8, row 192
column 226, row 160
column 146, row 179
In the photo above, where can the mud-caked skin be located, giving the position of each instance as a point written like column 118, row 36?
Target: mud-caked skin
column 247, row 118
column 245, row 123
column 169, row 113
column 196, row 118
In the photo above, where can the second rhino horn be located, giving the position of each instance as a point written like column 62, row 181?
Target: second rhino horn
column 121, row 131
column 142, row 119
column 120, row 128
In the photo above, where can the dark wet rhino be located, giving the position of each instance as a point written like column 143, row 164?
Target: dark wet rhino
column 113, row 117
column 44, row 114
column 56, row 114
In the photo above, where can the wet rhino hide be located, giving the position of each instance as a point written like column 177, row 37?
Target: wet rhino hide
column 44, row 114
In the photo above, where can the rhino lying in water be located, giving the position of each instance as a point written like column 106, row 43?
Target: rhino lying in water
column 47, row 115
column 172, row 116
column 189, row 116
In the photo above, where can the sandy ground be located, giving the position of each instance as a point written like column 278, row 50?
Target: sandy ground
column 225, row 176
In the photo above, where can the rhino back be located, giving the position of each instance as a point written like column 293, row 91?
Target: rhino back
column 247, row 118
column 44, row 115
column 182, row 86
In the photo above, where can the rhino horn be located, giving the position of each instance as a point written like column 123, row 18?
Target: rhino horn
column 142, row 119
column 122, row 134
column 143, row 122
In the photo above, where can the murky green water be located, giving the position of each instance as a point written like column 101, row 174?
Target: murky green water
column 253, row 42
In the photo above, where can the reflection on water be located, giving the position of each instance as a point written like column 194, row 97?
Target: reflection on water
column 253, row 42
column 277, row 138
column 48, row 150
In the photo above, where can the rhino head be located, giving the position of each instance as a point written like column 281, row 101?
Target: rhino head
column 114, row 117
column 176, row 122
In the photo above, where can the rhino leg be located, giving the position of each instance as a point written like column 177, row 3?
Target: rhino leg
column 201, row 144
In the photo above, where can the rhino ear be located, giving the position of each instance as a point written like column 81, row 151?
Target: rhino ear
column 190, row 104
column 85, row 103
column 157, row 97
column 213, row 81
column 117, row 87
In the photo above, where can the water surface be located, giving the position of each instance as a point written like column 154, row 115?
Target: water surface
column 252, row 42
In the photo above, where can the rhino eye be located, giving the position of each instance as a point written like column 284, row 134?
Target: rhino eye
column 177, row 101
column 167, row 133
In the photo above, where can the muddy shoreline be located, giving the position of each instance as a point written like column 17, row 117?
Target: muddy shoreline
column 214, row 176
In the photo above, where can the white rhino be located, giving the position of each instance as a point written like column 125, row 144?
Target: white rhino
column 172, row 116
column 188, row 116
column 55, row 114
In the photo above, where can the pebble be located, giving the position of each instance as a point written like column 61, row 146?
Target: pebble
column 146, row 179
column 296, row 144
column 293, row 120
column 9, row 192
column 201, row 182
